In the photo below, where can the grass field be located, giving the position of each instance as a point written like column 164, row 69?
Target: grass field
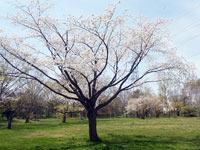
column 116, row 134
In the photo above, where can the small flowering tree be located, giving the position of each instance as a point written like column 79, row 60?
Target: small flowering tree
column 9, row 107
column 10, row 83
column 145, row 106
column 68, row 107
column 87, row 56
column 63, row 109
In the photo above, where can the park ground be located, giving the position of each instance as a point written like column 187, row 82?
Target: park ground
column 115, row 133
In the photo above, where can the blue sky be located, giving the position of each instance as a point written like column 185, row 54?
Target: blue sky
column 184, row 16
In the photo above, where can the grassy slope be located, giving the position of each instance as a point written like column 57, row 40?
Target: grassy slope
column 116, row 134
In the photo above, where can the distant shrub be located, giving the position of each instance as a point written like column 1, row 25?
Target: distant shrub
column 189, row 111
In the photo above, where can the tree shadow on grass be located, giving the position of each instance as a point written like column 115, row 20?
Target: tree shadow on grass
column 22, row 126
column 134, row 142
column 41, row 125
column 16, row 125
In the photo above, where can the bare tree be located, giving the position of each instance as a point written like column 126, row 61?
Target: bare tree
column 87, row 56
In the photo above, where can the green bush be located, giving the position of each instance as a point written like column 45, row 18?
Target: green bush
column 189, row 111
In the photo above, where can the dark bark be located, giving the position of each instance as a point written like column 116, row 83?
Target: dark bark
column 71, row 114
column 10, row 121
column 157, row 114
column 9, row 115
column 137, row 114
column 143, row 114
column 92, row 126
column 64, row 118
column 27, row 119
column 178, row 113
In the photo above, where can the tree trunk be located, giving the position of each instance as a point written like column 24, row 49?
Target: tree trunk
column 10, row 122
column 143, row 114
column 137, row 114
column 157, row 114
column 81, row 115
column 169, row 114
column 70, row 114
column 178, row 113
column 64, row 118
column 27, row 119
column 92, row 126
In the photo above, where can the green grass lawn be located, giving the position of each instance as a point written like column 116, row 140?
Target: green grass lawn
column 116, row 134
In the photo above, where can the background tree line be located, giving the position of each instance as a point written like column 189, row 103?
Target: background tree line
column 26, row 99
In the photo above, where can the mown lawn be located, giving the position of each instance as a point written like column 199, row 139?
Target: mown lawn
column 116, row 134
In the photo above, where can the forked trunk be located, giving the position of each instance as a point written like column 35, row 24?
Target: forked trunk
column 92, row 127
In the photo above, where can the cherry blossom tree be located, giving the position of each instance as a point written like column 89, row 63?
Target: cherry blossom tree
column 87, row 56
column 145, row 106
column 69, row 107
column 10, row 83
column 63, row 109
column 9, row 107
